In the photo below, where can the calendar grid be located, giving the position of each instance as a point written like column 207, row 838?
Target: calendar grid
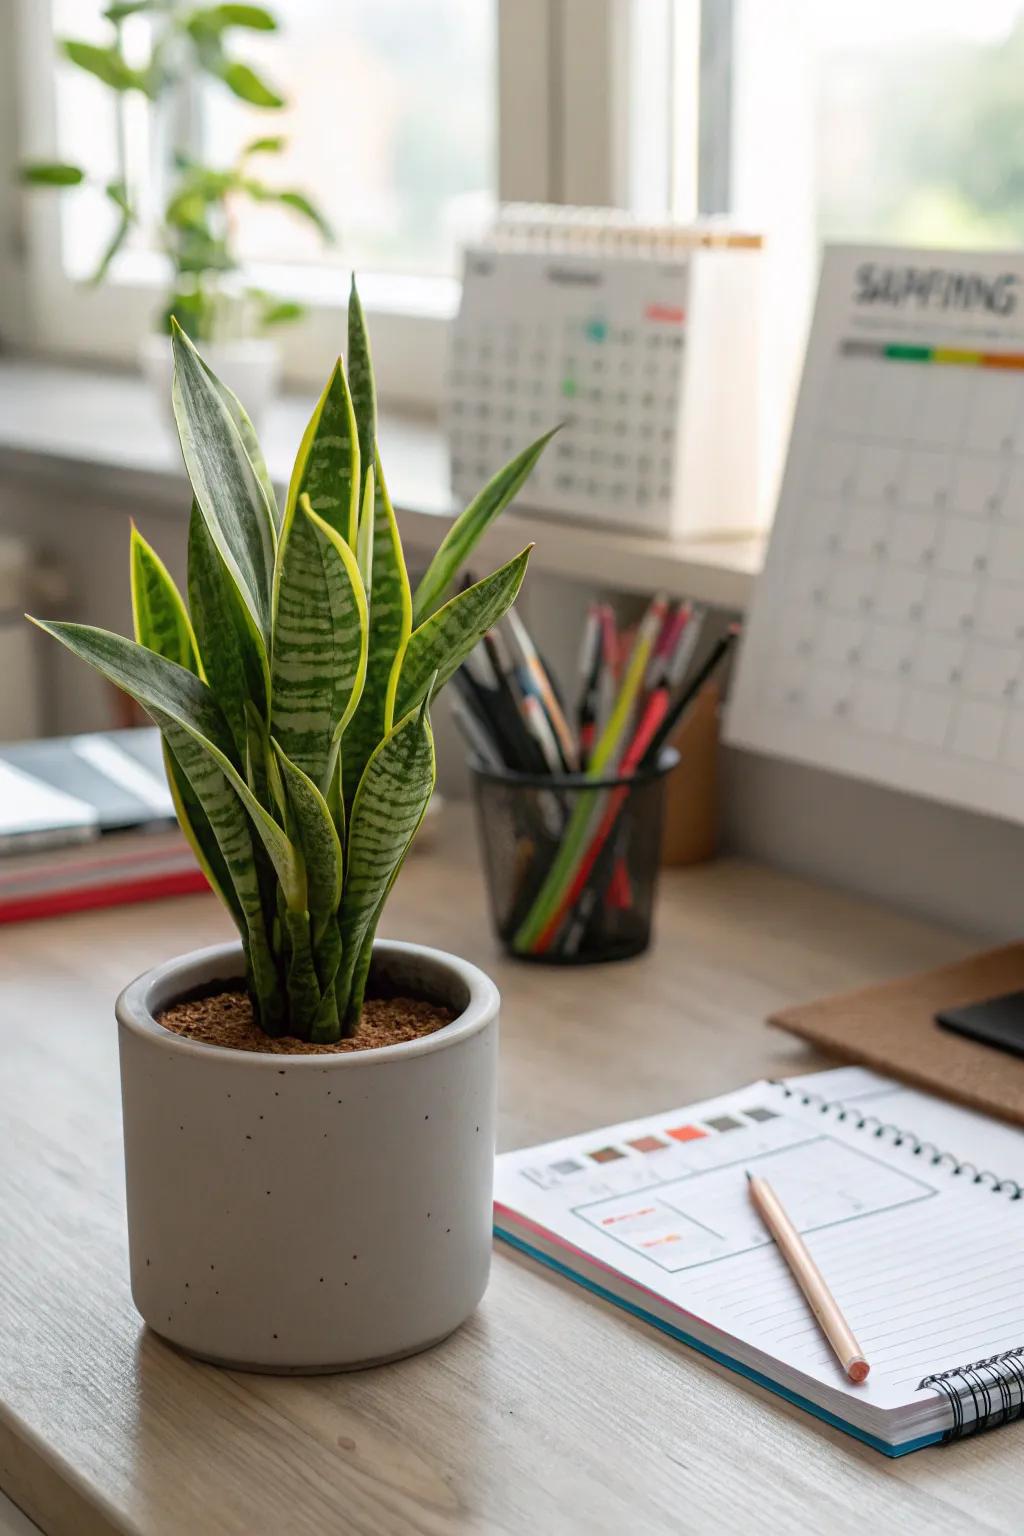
column 606, row 345
column 890, row 641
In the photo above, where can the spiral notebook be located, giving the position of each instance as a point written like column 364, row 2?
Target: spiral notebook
column 923, row 1247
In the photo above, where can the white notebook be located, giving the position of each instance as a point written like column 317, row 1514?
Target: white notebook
column 911, row 1207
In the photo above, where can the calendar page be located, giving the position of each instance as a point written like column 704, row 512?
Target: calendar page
column 595, row 344
column 886, row 637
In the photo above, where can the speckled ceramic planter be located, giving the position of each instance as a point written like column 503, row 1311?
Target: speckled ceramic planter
column 309, row 1213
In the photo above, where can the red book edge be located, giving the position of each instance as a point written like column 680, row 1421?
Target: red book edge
column 183, row 882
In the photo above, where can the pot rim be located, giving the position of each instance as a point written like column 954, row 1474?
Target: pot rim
column 134, row 1010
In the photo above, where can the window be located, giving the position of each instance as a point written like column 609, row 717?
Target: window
column 392, row 125
column 392, row 120
column 919, row 121
column 859, row 120
column 409, row 118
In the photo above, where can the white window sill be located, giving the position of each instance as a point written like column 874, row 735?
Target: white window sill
column 90, row 426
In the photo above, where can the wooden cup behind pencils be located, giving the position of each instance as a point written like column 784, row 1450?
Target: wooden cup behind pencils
column 690, row 828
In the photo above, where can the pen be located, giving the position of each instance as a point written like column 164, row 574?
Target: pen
column 686, row 698
column 809, row 1278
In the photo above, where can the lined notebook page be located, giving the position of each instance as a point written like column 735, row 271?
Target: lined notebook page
column 924, row 1289
column 928, row 1268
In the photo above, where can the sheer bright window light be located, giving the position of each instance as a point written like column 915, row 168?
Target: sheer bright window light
column 918, row 111
column 88, row 125
column 392, row 121
column 868, row 120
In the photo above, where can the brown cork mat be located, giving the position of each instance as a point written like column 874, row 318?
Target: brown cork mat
column 892, row 1029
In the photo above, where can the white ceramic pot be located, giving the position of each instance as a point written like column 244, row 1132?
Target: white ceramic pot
column 251, row 369
column 309, row 1213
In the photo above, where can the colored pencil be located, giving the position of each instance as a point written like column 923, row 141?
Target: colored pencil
column 653, row 716
column 809, row 1278
column 608, row 677
column 503, row 672
column 476, row 737
column 675, row 714
column 535, row 667
column 606, row 752
column 539, row 726
column 664, row 650
column 590, row 672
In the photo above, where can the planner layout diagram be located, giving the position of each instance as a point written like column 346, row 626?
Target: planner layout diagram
column 886, row 638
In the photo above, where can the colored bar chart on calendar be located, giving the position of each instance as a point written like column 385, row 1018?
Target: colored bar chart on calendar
column 886, row 637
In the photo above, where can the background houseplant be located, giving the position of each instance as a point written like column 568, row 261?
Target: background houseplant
column 208, row 294
column 304, row 1212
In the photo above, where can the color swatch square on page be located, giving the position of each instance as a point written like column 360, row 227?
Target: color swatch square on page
column 606, row 1155
column 647, row 1144
column 686, row 1133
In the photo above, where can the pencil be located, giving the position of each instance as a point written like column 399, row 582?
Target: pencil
column 589, row 669
column 809, row 1278
column 535, row 668
column 539, row 726
column 474, row 735
column 653, row 715
column 675, row 714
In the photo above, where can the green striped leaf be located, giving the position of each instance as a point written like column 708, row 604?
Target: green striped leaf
column 321, row 629
column 389, row 805
column 199, row 834
column 327, row 464
column 160, row 617
column 334, row 793
column 250, row 442
column 390, row 607
column 225, row 484
column 162, row 624
column 441, row 644
column 364, row 536
column 357, row 984
column 197, row 733
column 169, row 693
column 315, row 834
column 361, row 382
column 231, row 649
column 464, row 534
column 304, row 997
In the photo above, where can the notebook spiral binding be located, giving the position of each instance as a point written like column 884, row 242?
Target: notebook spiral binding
column 983, row 1394
column 899, row 1138
column 972, row 1392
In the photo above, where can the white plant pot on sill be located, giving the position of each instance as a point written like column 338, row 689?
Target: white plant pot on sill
column 250, row 368
column 316, row 1212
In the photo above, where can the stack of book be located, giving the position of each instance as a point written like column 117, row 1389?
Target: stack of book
column 87, row 821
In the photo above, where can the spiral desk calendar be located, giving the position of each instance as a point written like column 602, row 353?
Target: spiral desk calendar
column 886, row 637
column 641, row 341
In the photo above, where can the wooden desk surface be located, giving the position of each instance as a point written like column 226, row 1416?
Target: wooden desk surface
column 550, row 1412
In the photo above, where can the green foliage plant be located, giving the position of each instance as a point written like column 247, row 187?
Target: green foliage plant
column 188, row 43
column 293, row 687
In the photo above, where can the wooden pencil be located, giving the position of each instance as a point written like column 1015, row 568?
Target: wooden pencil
column 809, row 1278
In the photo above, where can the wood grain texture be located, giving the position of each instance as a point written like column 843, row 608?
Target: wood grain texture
column 549, row 1412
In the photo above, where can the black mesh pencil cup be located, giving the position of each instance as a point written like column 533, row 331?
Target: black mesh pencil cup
column 572, row 863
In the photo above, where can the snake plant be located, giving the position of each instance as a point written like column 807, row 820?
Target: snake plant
column 293, row 687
